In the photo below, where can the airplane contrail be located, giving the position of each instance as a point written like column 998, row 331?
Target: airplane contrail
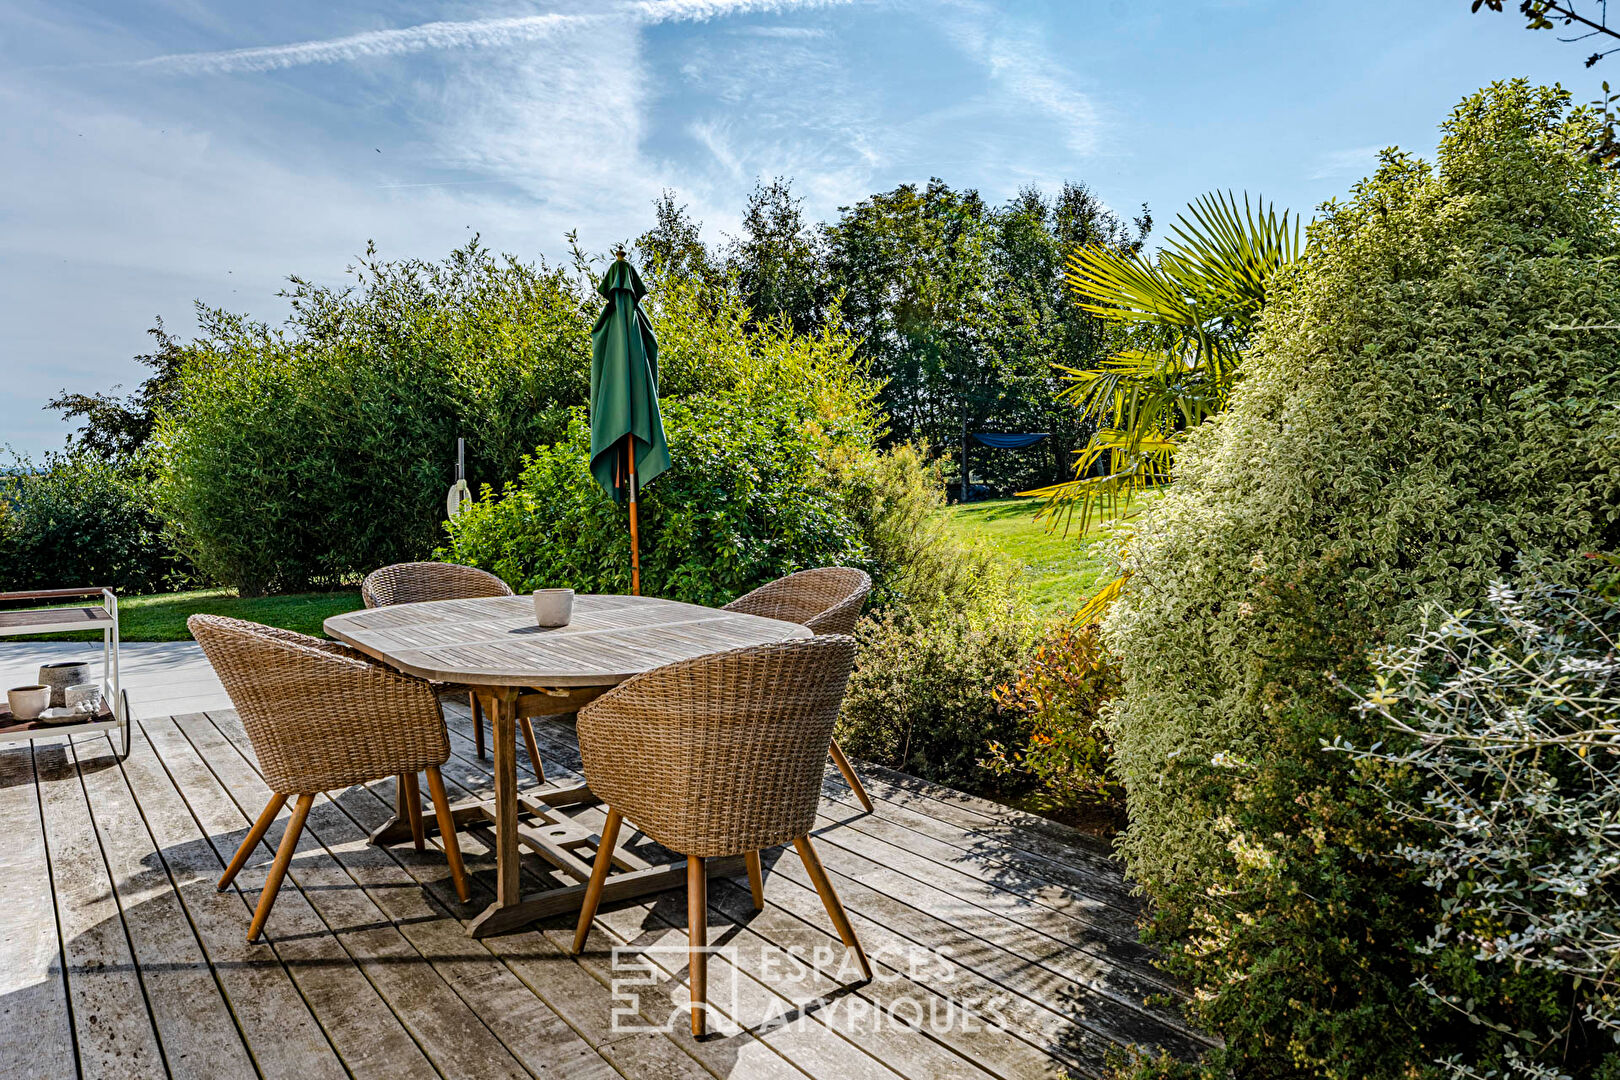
column 468, row 34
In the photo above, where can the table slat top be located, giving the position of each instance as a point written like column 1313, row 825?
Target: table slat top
column 493, row 641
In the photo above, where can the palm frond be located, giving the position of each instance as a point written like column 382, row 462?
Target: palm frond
column 1227, row 256
column 1136, row 464
column 1190, row 311
column 1094, row 608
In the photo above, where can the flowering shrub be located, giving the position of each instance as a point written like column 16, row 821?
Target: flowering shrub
column 1059, row 694
column 1506, row 757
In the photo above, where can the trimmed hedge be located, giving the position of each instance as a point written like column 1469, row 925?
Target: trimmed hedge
column 315, row 454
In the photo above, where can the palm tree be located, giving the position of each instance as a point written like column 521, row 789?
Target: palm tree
column 1189, row 314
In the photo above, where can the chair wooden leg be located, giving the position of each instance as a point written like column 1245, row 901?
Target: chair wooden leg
column 447, row 833
column 413, row 807
column 255, row 834
column 756, row 880
column 599, row 872
column 697, row 928
column 850, row 778
column 478, row 725
column 278, row 869
column 830, row 901
column 534, row 750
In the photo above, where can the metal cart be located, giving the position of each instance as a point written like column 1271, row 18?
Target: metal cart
column 113, row 709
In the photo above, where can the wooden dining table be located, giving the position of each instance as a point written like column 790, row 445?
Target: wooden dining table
column 519, row 669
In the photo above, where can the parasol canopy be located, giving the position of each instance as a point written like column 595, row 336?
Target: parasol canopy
column 624, row 388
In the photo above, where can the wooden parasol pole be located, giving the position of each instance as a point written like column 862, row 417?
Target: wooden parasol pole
column 635, row 539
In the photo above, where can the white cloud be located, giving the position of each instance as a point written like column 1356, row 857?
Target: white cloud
column 1020, row 67
column 374, row 43
column 1019, row 64
column 719, row 146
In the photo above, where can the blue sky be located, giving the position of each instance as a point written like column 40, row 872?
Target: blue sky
column 156, row 152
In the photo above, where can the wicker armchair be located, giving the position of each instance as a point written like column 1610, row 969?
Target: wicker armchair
column 322, row 716
column 417, row 582
column 828, row 600
column 717, row 756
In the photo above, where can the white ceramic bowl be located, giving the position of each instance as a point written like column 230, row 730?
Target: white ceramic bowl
column 27, row 702
column 83, row 697
column 553, row 607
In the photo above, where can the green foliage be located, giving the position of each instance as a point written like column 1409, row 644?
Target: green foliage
column 1060, row 694
column 763, row 424
column 82, row 520
column 1503, row 752
column 320, row 452
column 945, row 630
column 1421, row 414
column 742, row 503
column 118, row 429
column 917, row 561
column 777, row 258
column 961, row 310
column 1189, row 313
column 922, row 696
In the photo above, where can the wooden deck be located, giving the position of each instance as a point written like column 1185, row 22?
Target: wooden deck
column 1005, row 943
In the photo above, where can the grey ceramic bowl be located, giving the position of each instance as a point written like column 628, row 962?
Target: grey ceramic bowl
column 84, row 696
column 62, row 675
column 553, row 607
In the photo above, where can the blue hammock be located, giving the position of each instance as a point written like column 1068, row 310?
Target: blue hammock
column 1010, row 442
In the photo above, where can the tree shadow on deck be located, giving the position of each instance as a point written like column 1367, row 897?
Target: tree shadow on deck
column 363, row 931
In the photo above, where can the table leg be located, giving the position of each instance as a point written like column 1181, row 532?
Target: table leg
column 500, row 705
column 553, row 836
column 408, row 822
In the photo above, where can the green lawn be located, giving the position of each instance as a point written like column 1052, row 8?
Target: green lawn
column 163, row 617
column 1060, row 571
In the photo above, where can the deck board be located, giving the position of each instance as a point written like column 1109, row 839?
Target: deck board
column 801, row 1035
column 997, row 1053
column 365, row 969
column 199, row 1036
column 33, row 987
column 304, row 1004
column 493, row 1003
column 116, row 1034
column 939, row 919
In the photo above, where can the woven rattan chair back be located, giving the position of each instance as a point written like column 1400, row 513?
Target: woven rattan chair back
column 722, row 754
column 828, row 599
column 416, row 582
column 419, row 582
column 320, row 715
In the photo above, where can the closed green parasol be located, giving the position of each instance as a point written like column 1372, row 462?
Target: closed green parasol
column 627, row 434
